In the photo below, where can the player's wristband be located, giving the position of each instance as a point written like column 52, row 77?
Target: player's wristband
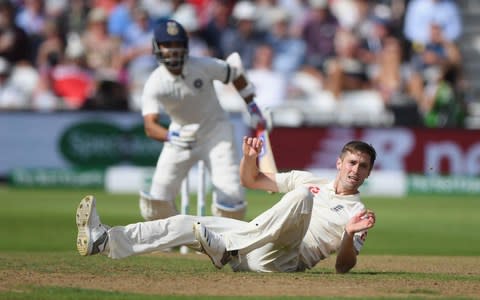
column 247, row 91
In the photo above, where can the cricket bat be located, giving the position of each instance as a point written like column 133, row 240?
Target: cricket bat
column 266, row 160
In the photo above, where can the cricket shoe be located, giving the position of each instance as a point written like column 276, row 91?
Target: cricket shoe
column 92, row 235
column 213, row 245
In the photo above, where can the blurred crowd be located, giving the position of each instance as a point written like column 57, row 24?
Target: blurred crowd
column 96, row 54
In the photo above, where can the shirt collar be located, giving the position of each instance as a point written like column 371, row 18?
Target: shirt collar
column 185, row 71
column 331, row 190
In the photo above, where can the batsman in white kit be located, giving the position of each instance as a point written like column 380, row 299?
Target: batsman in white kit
column 315, row 218
column 182, row 86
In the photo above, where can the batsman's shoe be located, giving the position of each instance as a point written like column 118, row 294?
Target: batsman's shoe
column 213, row 245
column 92, row 235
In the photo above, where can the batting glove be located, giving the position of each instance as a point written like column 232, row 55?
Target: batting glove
column 236, row 64
column 175, row 138
column 257, row 120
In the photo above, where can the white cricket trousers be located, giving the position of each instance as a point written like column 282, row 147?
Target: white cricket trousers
column 217, row 149
column 268, row 243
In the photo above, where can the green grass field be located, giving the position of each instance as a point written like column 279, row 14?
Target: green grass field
column 38, row 231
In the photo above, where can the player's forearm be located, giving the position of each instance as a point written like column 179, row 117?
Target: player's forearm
column 156, row 132
column 252, row 178
column 153, row 129
column 346, row 255
column 248, row 171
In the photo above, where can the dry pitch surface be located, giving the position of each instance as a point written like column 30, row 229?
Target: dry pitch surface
column 374, row 276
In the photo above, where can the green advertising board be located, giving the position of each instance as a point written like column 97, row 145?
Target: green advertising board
column 97, row 144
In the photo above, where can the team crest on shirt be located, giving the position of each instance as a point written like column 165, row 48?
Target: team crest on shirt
column 314, row 189
column 198, row 83
column 337, row 208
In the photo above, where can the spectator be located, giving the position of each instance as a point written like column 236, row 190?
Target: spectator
column 421, row 13
column 346, row 71
column 265, row 10
column 137, row 55
column 105, row 5
column 319, row 34
column 346, row 12
column 12, row 95
column 52, row 47
column 389, row 73
column 160, row 9
column 120, row 17
column 55, row 8
column 74, row 18
column 288, row 50
column 357, row 15
column 101, row 49
column 50, row 54
column 264, row 78
column 67, row 83
column 244, row 37
column 218, row 21
column 445, row 107
column 298, row 11
column 395, row 11
column 14, row 42
column 18, row 76
column 187, row 16
column 436, row 67
column 103, row 56
column 32, row 19
column 373, row 40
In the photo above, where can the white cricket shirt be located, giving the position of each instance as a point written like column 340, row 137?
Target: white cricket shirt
column 330, row 214
column 188, row 98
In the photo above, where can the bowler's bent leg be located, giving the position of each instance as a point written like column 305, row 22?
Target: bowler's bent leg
column 284, row 224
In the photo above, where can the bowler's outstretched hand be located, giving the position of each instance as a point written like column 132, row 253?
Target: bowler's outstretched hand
column 361, row 221
column 252, row 146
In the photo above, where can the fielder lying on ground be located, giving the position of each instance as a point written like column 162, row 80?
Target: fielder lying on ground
column 314, row 219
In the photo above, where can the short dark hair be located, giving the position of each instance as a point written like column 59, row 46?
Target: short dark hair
column 360, row 146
